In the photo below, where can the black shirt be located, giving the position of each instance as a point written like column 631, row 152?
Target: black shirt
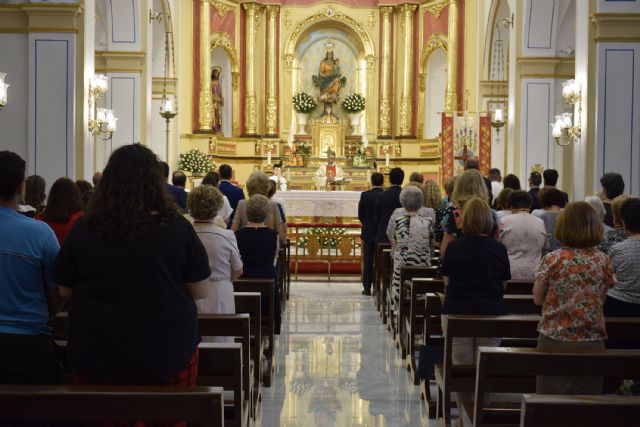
column 477, row 267
column 131, row 317
column 257, row 246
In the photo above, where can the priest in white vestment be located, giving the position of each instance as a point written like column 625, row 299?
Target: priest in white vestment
column 328, row 174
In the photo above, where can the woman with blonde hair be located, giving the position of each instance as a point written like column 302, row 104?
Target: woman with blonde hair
column 432, row 194
column 259, row 183
column 468, row 185
column 204, row 202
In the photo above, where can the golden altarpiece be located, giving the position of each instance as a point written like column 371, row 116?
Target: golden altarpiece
column 264, row 54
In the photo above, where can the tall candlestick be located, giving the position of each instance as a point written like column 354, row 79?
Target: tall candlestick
column 386, row 156
column 269, row 154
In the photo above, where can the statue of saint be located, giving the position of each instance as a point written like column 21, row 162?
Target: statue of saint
column 329, row 79
column 217, row 101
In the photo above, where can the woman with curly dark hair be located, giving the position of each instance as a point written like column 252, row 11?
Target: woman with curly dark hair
column 63, row 209
column 132, row 267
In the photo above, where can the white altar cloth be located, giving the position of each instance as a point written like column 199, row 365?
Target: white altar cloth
column 320, row 203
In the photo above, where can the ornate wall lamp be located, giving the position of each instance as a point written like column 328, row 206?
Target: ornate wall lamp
column 3, row 90
column 102, row 121
column 497, row 119
column 565, row 130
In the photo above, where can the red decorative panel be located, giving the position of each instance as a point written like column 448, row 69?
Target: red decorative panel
column 447, row 146
column 484, row 144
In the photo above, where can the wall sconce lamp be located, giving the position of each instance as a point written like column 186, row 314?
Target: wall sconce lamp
column 564, row 129
column 102, row 122
column 497, row 120
column 155, row 17
column 3, row 90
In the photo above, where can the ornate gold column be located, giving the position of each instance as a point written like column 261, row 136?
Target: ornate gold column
column 384, row 127
column 452, row 63
column 406, row 94
column 250, row 109
column 205, row 67
column 272, row 106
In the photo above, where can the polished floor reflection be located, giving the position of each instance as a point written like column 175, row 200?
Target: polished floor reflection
column 336, row 364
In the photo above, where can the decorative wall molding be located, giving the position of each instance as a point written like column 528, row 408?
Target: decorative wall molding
column 436, row 7
column 616, row 27
column 221, row 7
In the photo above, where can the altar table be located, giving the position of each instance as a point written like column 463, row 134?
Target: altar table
column 320, row 203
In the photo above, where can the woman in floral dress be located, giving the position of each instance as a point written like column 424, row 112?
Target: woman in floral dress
column 571, row 284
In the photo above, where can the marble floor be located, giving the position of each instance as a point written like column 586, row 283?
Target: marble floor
column 336, row 365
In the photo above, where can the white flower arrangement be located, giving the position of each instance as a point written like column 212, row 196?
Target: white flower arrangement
column 304, row 103
column 353, row 103
column 196, row 162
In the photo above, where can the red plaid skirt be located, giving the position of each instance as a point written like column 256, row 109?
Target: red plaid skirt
column 187, row 377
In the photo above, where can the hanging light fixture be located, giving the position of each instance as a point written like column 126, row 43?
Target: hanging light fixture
column 168, row 106
column 3, row 90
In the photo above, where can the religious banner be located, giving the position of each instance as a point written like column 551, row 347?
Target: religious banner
column 465, row 136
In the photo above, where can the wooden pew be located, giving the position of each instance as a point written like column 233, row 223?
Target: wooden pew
column 407, row 274
column 584, row 411
column 518, row 300
column 513, row 370
column 288, row 267
column 249, row 303
column 266, row 289
column 378, row 270
column 386, row 264
column 456, row 378
column 220, row 365
column 238, row 327
column 423, row 319
column 282, row 278
column 200, row 406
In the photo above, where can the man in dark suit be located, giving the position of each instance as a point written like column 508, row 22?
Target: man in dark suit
column 551, row 179
column 233, row 193
column 178, row 194
column 535, row 179
column 366, row 215
column 387, row 202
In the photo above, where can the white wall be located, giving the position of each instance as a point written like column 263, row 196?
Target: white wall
column 618, row 113
column 123, row 31
column 51, row 117
column 540, row 17
column 538, row 112
column 435, row 86
column 13, row 117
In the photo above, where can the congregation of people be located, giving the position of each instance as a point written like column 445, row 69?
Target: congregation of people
column 581, row 256
column 134, row 259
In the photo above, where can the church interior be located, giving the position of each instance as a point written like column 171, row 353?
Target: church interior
column 322, row 97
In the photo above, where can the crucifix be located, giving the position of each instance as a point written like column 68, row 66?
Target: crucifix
column 465, row 154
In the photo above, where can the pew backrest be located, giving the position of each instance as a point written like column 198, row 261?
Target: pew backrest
column 201, row 406
column 584, row 411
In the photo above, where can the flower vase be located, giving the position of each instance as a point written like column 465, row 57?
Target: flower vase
column 302, row 122
column 355, row 123
column 305, row 160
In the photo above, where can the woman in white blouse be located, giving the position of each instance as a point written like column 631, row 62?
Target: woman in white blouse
column 224, row 258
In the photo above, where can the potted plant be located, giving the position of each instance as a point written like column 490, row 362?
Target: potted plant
column 354, row 105
column 196, row 162
column 303, row 104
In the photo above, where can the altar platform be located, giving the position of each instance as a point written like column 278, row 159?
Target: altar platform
column 319, row 204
